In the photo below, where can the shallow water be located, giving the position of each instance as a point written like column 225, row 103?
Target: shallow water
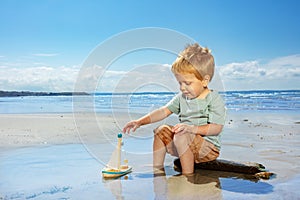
column 71, row 172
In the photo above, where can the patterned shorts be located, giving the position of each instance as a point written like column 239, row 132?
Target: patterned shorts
column 203, row 150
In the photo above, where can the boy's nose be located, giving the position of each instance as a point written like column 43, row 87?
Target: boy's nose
column 182, row 87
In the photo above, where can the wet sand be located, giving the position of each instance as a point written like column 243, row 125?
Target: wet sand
column 52, row 156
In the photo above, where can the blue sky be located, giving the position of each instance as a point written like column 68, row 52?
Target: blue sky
column 43, row 44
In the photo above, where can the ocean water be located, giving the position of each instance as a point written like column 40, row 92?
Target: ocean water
column 263, row 101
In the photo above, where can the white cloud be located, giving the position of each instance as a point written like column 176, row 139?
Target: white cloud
column 42, row 78
column 291, row 61
column 88, row 78
column 278, row 73
column 154, row 77
column 284, row 67
column 247, row 69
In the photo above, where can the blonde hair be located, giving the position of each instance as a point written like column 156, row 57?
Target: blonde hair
column 196, row 60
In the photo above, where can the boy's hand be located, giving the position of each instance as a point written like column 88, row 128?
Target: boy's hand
column 131, row 125
column 182, row 129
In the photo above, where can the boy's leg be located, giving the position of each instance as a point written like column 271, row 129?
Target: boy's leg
column 159, row 152
column 163, row 137
column 182, row 143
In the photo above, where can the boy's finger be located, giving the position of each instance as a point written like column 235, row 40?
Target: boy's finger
column 134, row 128
column 127, row 130
column 176, row 128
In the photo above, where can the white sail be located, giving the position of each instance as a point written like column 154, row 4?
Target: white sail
column 113, row 162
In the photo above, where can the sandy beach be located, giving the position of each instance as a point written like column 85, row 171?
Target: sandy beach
column 71, row 149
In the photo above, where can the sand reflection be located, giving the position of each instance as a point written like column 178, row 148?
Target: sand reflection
column 204, row 184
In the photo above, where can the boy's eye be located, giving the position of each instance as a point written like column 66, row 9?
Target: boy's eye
column 185, row 83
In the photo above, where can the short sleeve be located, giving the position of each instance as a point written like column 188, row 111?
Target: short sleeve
column 174, row 104
column 216, row 110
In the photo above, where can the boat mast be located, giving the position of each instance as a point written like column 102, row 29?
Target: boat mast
column 119, row 149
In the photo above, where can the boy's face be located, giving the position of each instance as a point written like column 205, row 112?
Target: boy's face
column 190, row 86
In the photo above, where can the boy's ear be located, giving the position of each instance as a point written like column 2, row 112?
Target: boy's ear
column 207, row 77
column 205, row 80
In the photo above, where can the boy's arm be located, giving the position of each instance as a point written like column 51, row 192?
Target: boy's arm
column 208, row 129
column 152, row 117
column 155, row 116
column 205, row 130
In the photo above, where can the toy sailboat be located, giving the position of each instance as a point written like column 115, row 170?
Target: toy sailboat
column 114, row 169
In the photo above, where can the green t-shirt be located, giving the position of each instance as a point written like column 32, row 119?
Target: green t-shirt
column 200, row 112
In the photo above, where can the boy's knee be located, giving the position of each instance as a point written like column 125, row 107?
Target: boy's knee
column 178, row 140
column 165, row 133
column 182, row 140
column 162, row 128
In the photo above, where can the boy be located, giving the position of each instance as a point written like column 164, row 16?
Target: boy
column 201, row 114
